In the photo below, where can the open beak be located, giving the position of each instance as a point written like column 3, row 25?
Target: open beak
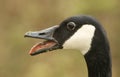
column 49, row 44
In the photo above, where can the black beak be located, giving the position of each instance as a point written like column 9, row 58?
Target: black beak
column 50, row 44
column 46, row 34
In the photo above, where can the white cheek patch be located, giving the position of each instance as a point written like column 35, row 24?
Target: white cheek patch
column 81, row 39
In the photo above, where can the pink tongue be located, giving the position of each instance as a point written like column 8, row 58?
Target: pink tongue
column 40, row 46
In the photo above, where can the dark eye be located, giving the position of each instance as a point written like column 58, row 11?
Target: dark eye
column 71, row 25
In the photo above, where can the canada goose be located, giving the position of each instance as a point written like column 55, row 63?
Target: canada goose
column 78, row 32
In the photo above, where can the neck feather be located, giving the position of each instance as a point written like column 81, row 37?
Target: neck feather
column 98, row 57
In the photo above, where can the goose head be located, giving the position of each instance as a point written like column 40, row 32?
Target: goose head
column 83, row 33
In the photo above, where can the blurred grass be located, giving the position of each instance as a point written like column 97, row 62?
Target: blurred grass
column 20, row 16
column 59, row 64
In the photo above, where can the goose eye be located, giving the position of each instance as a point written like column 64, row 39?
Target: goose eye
column 71, row 26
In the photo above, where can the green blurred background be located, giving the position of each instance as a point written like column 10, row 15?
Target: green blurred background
column 20, row 16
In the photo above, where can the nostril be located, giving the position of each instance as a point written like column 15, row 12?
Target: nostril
column 42, row 33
